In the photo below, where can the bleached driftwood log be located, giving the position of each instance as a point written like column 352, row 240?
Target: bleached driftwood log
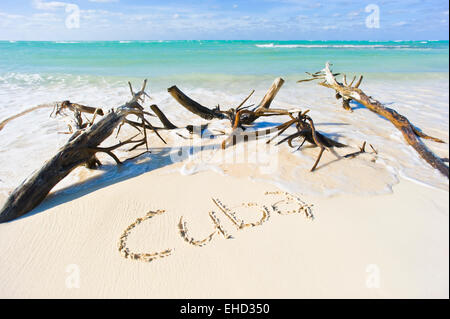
column 80, row 149
column 410, row 133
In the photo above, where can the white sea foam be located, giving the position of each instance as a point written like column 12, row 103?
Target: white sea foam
column 344, row 46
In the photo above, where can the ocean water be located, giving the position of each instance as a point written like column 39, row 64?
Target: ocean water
column 168, row 58
column 410, row 76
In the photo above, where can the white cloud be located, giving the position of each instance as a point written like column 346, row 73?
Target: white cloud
column 293, row 18
column 10, row 16
column 50, row 5
column 104, row 1
column 400, row 24
column 354, row 13
column 45, row 17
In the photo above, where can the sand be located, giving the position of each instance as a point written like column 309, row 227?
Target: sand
column 387, row 246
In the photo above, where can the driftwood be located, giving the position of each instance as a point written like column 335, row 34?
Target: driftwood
column 167, row 124
column 215, row 113
column 84, row 144
column 9, row 119
column 242, row 116
column 58, row 109
column 349, row 92
column 80, row 149
column 67, row 105
column 303, row 123
column 162, row 117
column 193, row 106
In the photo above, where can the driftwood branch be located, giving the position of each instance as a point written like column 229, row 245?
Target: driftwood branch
column 80, row 149
column 162, row 117
column 67, row 105
column 195, row 107
column 249, row 118
column 58, row 109
column 9, row 119
column 215, row 113
column 303, row 123
column 411, row 134
column 85, row 142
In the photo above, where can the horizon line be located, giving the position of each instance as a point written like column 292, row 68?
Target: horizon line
column 371, row 40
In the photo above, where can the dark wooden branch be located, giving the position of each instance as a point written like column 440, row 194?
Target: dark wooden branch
column 162, row 117
column 80, row 149
column 194, row 107
column 215, row 113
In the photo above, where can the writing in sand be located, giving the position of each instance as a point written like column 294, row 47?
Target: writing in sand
column 288, row 200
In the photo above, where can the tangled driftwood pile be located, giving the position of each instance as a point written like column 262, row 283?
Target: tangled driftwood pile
column 87, row 136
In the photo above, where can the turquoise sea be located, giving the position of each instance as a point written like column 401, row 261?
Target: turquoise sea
column 163, row 58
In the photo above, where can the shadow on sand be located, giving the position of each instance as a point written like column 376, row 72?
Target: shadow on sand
column 111, row 174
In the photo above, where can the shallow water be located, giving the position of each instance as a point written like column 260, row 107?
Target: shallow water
column 411, row 77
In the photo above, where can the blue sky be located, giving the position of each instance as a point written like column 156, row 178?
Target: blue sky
column 227, row 20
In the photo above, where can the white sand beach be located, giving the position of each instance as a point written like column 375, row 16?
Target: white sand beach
column 386, row 246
